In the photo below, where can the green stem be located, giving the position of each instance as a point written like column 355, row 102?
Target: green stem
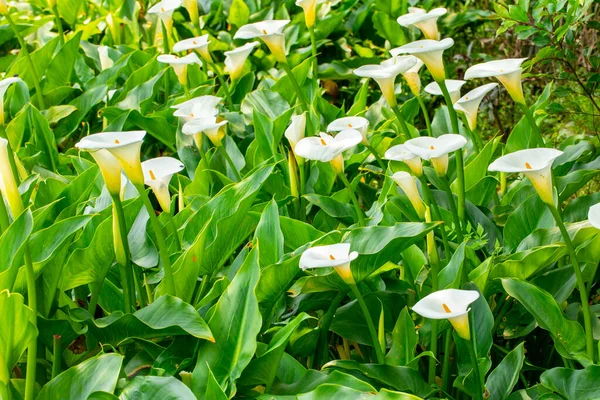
column 224, row 83
column 359, row 213
column 126, row 270
column 534, row 126
column 166, row 50
column 302, row 174
column 434, row 323
column 56, row 355
column 313, row 44
column 403, row 125
column 236, row 173
column 27, row 55
column 425, row 115
column 61, row 33
column 453, row 210
column 377, row 157
column 11, row 156
column 446, row 363
column 472, row 346
column 32, row 303
column 160, row 241
column 587, row 316
column 435, row 211
column 292, row 77
column 370, row 325
column 322, row 356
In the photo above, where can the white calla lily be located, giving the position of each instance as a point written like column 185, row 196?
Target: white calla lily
column 157, row 174
column 212, row 128
column 235, row 59
column 594, row 216
column 199, row 43
column 412, row 77
column 180, row 64
column 453, row 86
column 327, row 148
column 450, row 304
column 385, row 75
column 164, row 9
column 401, row 153
column 535, row 164
column 508, row 72
column 4, row 85
column 310, row 11
column 409, row 186
column 105, row 60
column 198, row 107
column 436, row 149
column 271, row 32
column 469, row 103
column 361, row 124
column 430, row 52
column 297, row 130
column 425, row 21
column 8, row 184
column 337, row 256
column 125, row 147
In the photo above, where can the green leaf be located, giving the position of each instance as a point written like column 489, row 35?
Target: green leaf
column 503, row 379
column 269, row 236
column 17, row 328
column 404, row 341
column 235, row 321
column 156, row 388
column 238, row 13
column 98, row 374
column 12, row 244
column 583, row 384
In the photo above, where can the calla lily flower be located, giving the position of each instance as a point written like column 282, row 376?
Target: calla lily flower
column 105, row 60
column 408, row 185
column 157, row 174
column 337, row 256
column 401, row 153
column 469, row 103
column 425, row 21
column 412, row 77
column 453, row 86
column 164, row 9
column 199, row 43
column 297, row 130
column 180, row 64
column 209, row 126
column 361, row 124
column 8, row 185
column 271, row 32
column 310, row 11
column 235, row 59
column 125, row 147
column 436, row 149
column 327, row 148
column 198, row 107
column 4, row 85
column 450, row 304
column 3, row 7
column 385, row 74
column 508, row 72
column 430, row 52
column 535, row 164
column 594, row 216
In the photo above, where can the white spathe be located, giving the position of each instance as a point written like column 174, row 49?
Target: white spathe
column 271, row 32
column 535, row 164
column 199, row 43
column 450, row 304
column 297, row 130
column 430, row 52
column 436, row 149
column 212, row 128
column 157, row 174
column 385, row 75
column 8, row 184
column 180, row 64
column 235, row 59
column 198, row 107
column 507, row 71
column 594, row 216
column 310, row 11
column 4, row 85
column 401, row 153
column 327, row 148
column 361, row 124
column 164, row 9
column 453, row 86
column 337, row 256
column 409, row 186
column 425, row 21
column 469, row 103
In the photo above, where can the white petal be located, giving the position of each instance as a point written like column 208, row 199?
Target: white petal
column 423, row 46
column 594, row 216
column 432, row 147
column 191, row 44
column 327, row 256
column 528, row 160
column 110, row 140
column 494, row 68
column 456, row 300
column 161, row 169
column 260, row 29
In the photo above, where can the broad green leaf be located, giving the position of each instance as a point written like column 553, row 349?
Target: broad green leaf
column 503, row 379
column 156, row 388
column 11, row 246
column 17, row 328
column 583, row 384
column 313, row 379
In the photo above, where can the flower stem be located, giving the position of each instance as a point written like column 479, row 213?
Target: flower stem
column 32, row 303
column 472, row 346
column 302, row 175
column 56, row 355
column 58, row 22
column 434, row 264
column 160, row 241
column 236, row 173
column 313, row 43
column 435, row 211
column 425, row 115
column 322, row 356
column 359, row 213
column 405, row 129
column 224, row 83
column 166, row 50
column 300, row 94
column 126, row 267
column 587, row 316
column 36, row 77
column 446, row 362
column 376, row 155
column 370, row 325
column 453, row 210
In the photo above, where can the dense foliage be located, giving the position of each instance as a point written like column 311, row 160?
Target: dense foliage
column 242, row 198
